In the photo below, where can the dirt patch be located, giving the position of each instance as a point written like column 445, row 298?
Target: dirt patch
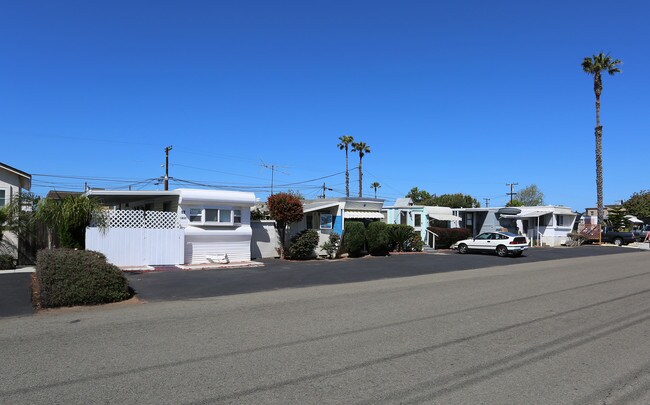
column 135, row 300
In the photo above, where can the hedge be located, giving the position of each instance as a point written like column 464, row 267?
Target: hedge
column 7, row 262
column 400, row 235
column 68, row 277
column 378, row 239
column 448, row 236
column 354, row 238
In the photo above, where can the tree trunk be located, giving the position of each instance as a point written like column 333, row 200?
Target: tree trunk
column 347, row 173
column 360, row 179
column 598, row 132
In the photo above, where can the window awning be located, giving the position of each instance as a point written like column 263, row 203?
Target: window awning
column 528, row 214
column 441, row 214
column 362, row 214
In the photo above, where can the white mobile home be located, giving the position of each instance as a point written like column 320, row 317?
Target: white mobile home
column 546, row 225
column 183, row 226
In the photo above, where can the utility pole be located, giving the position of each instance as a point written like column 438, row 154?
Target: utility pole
column 512, row 187
column 324, row 188
column 167, row 149
column 487, row 202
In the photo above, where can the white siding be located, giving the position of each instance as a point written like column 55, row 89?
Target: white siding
column 203, row 242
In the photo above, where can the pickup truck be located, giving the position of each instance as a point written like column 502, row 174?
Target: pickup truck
column 617, row 238
column 641, row 233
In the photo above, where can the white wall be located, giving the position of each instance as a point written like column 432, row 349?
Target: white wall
column 137, row 246
column 265, row 239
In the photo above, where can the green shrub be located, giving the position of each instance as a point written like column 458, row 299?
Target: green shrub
column 415, row 243
column 354, row 238
column 378, row 239
column 303, row 244
column 7, row 262
column 69, row 277
column 448, row 236
column 400, row 236
column 331, row 246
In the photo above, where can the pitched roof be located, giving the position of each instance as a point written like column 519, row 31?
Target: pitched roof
column 26, row 185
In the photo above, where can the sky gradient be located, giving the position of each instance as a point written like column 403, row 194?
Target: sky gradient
column 450, row 96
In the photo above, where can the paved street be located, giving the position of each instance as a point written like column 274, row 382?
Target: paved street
column 551, row 332
column 279, row 274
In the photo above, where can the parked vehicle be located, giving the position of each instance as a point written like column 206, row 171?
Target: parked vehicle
column 615, row 237
column 502, row 243
column 640, row 234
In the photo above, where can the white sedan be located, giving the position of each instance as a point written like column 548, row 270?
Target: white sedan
column 503, row 243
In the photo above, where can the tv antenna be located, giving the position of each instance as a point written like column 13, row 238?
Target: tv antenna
column 273, row 168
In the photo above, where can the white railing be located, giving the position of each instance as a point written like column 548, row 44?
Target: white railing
column 140, row 219
column 434, row 236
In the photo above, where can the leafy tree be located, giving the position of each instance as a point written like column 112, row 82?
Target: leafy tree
column 362, row 149
column 530, row 196
column 457, row 200
column 346, row 140
column 639, row 205
column 418, row 196
column 594, row 65
column 68, row 218
column 375, row 185
column 515, row 203
column 285, row 209
column 617, row 220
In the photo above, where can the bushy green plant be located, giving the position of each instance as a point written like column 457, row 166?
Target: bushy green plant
column 448, row 236
column 354, row 238
column 68, row 218
column 7, row 262
column 331, row 246
column 378, row 239
column 303, row 244
column 399, row 236
column 415, row 243
column 69, row 277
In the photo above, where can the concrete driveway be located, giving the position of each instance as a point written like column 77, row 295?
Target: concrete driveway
column 280, row 274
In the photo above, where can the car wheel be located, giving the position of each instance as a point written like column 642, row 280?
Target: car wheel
column 618, row 241
column 517, row 254
column 462, row 248
column 502, row 251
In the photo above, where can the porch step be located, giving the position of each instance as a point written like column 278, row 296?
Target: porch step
column 428, row 249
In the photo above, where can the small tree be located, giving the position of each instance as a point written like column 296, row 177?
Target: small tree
column 285, row 209
column 617, row 220
column 531, row 196
column 375, row 185
column 69, row 217
column 639, row 205
column 400, row 235
column 514, row 203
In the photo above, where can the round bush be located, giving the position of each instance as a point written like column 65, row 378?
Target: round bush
column 378, row 239
column 354, row 238
column 303, row 244
column 69, row 277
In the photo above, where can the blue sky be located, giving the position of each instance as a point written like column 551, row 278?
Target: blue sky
column 450, row 96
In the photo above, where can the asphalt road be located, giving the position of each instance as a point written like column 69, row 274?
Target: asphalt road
column 279, row 274
column 15, row 294
column 547, row 332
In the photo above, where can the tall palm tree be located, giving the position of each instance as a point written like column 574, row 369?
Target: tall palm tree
column 346, row 140
column 375, row 185
column 593, row 66
column 362, row 149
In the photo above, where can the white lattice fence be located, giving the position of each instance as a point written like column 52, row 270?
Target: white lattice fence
column 134, row 238
column 141, row 219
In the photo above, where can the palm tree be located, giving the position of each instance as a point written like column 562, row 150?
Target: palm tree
column 346, row 140
column 375, row 185
column 362, row 149
column 593, row 66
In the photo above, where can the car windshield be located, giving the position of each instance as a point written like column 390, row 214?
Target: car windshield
column 509, row 234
